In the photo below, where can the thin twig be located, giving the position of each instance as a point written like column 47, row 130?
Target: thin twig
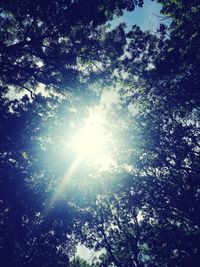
column 26, row 88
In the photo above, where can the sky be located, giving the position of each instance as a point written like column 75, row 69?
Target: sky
column 146, row 18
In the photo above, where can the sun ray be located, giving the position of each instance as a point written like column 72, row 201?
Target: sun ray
column 91, row 148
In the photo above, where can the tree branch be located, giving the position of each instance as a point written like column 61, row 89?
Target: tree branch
column 26, row 88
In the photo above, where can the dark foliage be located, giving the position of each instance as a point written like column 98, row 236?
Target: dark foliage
column 146, row 217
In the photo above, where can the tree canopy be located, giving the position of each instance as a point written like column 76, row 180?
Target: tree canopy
column 135, row 199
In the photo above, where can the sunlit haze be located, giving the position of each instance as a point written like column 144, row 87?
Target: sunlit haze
column 94, row 141
column 94, row 145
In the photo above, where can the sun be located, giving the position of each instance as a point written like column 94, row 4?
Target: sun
column 93, row 141
column 93, row 147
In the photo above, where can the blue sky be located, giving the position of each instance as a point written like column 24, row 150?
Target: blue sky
column 142, row 16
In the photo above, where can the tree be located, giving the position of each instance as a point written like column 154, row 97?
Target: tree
column 78, row 262
column 162, row 80
column 165, row 158
column 148, row 215
column 30, row 234
column 47, row 42
column 112, row 226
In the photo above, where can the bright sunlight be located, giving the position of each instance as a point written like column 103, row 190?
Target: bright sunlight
column 94, row 141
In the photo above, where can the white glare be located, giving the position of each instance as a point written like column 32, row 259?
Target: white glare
column 93, row 142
